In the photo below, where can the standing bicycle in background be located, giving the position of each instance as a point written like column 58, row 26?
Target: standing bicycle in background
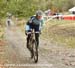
column 35, row 22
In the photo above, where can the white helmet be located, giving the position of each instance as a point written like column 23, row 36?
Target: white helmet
column 39, row 13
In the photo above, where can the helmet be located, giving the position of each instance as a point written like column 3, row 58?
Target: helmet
column 39, row 13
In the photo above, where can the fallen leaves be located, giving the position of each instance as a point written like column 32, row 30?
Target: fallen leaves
column 2, row 42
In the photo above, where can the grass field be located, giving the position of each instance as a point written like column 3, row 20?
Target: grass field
column 60, row 31
column 1, row 33
column 2, row 27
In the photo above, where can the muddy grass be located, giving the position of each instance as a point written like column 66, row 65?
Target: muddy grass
column 60, row 31
column 2, row 42
column 2, row 47
column 2, row 52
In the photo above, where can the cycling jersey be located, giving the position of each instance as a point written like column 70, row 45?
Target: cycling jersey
column 35, row 24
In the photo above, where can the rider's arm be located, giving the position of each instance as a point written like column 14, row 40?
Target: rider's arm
column 31, row 19
column 41, row 24
column 26, row 27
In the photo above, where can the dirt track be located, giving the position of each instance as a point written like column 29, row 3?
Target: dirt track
column 51, row 55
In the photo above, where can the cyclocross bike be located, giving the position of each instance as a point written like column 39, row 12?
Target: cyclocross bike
column 33, row 45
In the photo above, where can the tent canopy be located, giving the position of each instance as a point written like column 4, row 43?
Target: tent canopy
column 72, row 9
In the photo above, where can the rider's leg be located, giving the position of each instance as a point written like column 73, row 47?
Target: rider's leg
column 37, row 39
column 8, row 23
column 37, row 34
column 28, row 37
column 28, row 46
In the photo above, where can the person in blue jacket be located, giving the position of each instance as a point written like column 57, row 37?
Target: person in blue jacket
column 36, row 22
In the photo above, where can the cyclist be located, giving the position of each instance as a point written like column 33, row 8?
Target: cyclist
column 9, row 21
column 36, row 22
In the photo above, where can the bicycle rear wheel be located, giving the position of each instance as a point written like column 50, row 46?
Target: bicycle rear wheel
column 35, row 51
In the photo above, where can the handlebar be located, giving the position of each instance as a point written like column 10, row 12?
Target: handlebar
column 32, row 32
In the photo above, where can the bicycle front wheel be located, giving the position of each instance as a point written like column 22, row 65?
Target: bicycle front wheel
column 35, row 51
